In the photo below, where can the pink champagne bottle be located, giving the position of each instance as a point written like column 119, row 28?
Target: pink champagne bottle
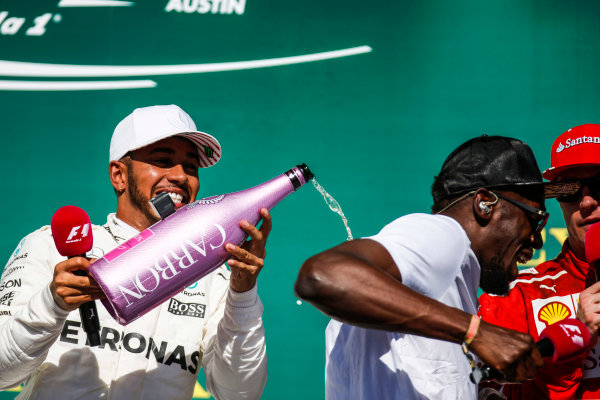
column 177, row 251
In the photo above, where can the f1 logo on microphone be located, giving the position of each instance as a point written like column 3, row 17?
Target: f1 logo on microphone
column 76, row 235
column 574, row 333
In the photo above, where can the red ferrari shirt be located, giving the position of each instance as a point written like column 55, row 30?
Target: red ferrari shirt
column 539, row 297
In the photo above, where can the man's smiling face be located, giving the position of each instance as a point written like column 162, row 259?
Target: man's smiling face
column 514, row 239
column 169, row 165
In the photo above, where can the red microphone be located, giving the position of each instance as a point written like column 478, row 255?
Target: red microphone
column 71, row 231
column 569, row 339
column 560, row 342
column 592, row 247
column 72, row 234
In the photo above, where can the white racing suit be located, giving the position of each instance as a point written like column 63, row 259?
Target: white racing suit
column 154, row 357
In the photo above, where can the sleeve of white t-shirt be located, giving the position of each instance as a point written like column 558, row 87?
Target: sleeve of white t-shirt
column 428, row 250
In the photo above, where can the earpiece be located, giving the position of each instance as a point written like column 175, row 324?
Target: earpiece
column 485, row 205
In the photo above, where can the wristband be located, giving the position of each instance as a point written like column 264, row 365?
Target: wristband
column 472, row 331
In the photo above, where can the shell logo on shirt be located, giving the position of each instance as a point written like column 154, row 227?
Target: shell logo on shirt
column 553, row 312
column 553, row 309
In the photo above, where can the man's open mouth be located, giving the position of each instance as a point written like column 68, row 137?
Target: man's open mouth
column 178, row 199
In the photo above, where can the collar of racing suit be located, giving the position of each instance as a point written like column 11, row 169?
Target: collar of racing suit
column 576, row 267
column 119, row 230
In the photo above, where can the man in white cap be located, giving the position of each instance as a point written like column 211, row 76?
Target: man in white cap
column 153, row 150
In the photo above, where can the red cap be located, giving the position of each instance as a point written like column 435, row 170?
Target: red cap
column 579, row 146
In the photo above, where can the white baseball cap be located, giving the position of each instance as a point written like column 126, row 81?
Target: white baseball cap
column 148, row 125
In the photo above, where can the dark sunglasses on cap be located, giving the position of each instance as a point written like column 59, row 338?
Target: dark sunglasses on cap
column 593, row 184
column 538, row 217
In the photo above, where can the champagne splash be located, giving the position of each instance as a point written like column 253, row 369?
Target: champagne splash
column 333, row 205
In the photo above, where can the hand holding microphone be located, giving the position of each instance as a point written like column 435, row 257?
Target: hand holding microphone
column 560, row 342
column 71, row 287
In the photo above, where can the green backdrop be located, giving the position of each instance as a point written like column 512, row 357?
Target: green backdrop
column 374, row 126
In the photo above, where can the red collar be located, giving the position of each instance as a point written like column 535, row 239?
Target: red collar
column 576, row 267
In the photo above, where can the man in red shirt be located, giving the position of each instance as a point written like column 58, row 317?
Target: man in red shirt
column 564, row 287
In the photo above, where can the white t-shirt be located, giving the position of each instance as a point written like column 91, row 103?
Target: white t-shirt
column 434, row 256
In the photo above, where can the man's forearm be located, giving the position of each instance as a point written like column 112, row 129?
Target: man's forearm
column 350, row 290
